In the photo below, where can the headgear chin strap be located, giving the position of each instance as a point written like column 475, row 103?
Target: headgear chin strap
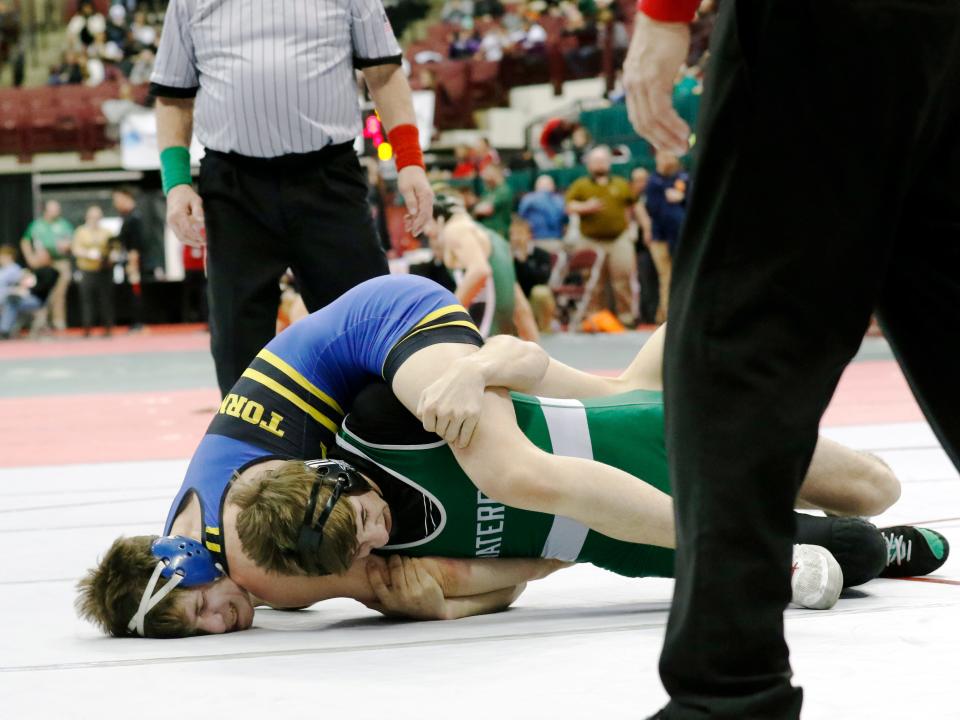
column 184, row 562
column 345, row 481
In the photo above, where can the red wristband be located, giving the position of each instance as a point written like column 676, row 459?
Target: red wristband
column 669, row 10
column 406, row 146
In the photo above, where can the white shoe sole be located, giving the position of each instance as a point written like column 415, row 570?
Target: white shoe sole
column 816, row 579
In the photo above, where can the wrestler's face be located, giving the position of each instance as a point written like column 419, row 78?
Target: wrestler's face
column 373, row 522
column 218, row 607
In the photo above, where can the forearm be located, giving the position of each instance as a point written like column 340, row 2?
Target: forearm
column 391, row 95
column 506, row 361
column 471, row 284
column 575, row 207
column 174, row 122
column 495, row 601
column 465, row 578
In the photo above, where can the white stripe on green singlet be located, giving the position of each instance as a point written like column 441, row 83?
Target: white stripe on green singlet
column 570, row 436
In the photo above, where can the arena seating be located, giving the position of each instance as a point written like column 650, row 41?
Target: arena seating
column 65, row 118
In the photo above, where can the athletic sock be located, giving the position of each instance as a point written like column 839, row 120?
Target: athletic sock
column 913, row 551
column 856, row 544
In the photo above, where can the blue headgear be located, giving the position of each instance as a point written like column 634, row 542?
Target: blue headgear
column 181, row 561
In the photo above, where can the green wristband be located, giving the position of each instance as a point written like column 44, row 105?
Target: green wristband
column 175, row 167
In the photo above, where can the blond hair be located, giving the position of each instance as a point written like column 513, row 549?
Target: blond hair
column 110, row 593
column 272, row 505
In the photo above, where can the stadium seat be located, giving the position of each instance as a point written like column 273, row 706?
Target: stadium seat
column 576, row 279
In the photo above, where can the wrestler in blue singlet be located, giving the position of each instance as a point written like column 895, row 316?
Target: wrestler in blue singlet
column 291, row 400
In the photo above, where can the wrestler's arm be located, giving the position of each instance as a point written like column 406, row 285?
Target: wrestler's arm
column 476, row 267
column 449, row 405
column 447, row 589
column 456, row 577
column 645, row 372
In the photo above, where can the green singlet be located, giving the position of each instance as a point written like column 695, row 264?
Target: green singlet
column 438, row 511
column 492, row 308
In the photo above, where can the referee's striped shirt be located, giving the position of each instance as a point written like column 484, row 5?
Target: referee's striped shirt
column 271, row 78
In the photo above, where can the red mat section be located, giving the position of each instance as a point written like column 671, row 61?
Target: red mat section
column 168, row 425
column 71, row 429
column 158, row 339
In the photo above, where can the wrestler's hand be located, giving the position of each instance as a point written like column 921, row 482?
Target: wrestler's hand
column 417, row 196
column 656, row 53
column 407, row 589
column 185, row 215
column 450, row 406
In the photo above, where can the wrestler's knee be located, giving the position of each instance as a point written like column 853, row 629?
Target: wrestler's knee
column 878, row 487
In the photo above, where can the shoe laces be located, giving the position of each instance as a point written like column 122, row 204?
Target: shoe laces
column 898, row 549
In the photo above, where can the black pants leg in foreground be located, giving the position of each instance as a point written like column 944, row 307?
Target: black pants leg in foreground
column 817, row 120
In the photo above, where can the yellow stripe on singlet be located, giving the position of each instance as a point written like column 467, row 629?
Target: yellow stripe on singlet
column 212, row 530
column 299, row 379
column 213, row 547
column 283, row 392
column 438, row 313
column 463, row 323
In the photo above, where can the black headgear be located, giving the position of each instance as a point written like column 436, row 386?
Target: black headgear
column 345, row 481
column 444, row 206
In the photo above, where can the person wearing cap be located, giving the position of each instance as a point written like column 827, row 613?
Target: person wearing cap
column 774, row 283
column 272, row 96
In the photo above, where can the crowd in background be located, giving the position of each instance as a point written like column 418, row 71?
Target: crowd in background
column 36, row 276
column 632, row 224
column 490, row 30
column 121, row 44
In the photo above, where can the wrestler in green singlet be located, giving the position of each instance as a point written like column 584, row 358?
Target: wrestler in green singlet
column 437, row 510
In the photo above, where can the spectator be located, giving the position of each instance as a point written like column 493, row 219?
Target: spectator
column 142, row 67
column 484, row 154
column 9, row 32
column 133, row 241
column 495, row 209
column 51, row 233
column 466, row 166
column 117, row 25
column 530, row 37
column 456, row 11
column 603, row 203
column 143, row 32
column 115, row 110
column 91, row 248
column 543, row 210
column 494, row 42
column 464, row 45
column 85, row 26
column 579, row 145
column 70, row 71
column 533, row 266
column 10, row 271
column 666, row 204
column 646, row 268
column 29, row 296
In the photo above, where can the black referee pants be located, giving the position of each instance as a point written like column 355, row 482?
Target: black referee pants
column 306, row 212
column 827, row 185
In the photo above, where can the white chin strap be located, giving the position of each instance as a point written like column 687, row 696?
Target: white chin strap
column 149, row 601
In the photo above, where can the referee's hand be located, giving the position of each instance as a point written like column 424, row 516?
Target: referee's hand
column 417, row 195
column 185, row 215
column 657, row 50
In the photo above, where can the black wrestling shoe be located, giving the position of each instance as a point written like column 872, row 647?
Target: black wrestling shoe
column 856, row 544
column 913, row 551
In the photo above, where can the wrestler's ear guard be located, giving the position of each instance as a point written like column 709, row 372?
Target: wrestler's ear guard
column 345, row 480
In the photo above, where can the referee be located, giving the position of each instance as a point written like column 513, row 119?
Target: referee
column 271, row 91
column 826, row 185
